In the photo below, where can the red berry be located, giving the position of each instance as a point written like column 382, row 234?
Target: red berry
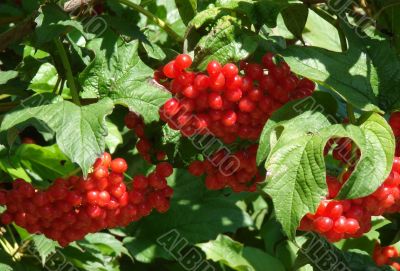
column 201, row 82
column 229, row 118
column 140, row 182
column 246, row 105
column 119, row 165
column 196, row 168
column 213, row 68
column 215, row 101
column 233, row 95
column 255, row 71
column 164, row 169
column 352, row 226
column 217, row 82
column 323, row 224
column 170, row 71
column 182, row 62
column 230, row 70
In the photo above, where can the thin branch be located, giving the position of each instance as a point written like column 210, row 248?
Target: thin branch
column 162, row 24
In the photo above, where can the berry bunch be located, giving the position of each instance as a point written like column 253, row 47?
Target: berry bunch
column 386, row 256
column 337, row 219
column 238, row 171
column 394, row 122
column 71, row 208
column 351, row 218
column 144, row 147
column 228, row 101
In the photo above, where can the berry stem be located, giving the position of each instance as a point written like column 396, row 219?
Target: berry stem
column 129, row 177
column 162, row 24
column 67, row 66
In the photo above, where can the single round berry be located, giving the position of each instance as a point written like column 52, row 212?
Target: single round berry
column 182, row 62
column 323, row 224
column 119, row 165
column 230, row 70
column 164, row 169
column 213, row 68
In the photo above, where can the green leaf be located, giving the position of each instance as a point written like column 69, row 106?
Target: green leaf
column 5, row 76
column 80, row 131
column 295, row 18
column 239, row 257
column 47, row 162
column 226, row 42
column 320, row 101
column 196, row 214
column 386, row 62
column 153, row 50
column 44, row 246
column 204, row 16
column 117, row 72
column 349, row 74
column 187, row 9
column 45, row 80
column 52, row 22
column 268, row 10
column 12, row 166
column 105, row 243
column 320, row 33
column 296, row 163
column 297, row 170
column 5, row 267
column 380, row 143
column 114, row 137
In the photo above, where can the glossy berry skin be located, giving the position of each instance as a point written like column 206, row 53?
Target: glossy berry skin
column 214, row 68
column 229, row 118
column 230, row 70
column 169, row 70
column 119, row 165
column 182, row 62
column 323, row 224
column 215, row 101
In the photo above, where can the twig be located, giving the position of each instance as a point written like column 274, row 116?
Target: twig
column 68, row 70
column 155, row 19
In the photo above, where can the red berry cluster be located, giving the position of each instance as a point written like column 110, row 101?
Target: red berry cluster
column 394, row 122
column 228, row 101
column 71, row 208
column 144, row 147
column 386, row 256
column 238, row 171
column 351, row 218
